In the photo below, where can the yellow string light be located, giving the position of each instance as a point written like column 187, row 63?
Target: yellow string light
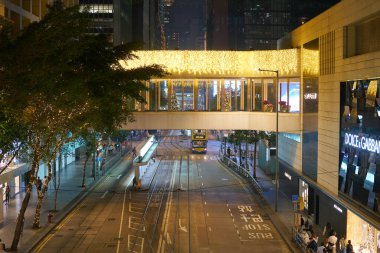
column 203, row 64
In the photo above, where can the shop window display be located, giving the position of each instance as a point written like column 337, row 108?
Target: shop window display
column 359, row 172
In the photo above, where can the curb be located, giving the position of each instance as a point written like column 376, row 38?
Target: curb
column 70, row 207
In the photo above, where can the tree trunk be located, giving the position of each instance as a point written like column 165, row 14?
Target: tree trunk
column 254, row 161
column 37, row 214
column 84, row 171
column 58, row 184
column 24, row 205
column 41, row 196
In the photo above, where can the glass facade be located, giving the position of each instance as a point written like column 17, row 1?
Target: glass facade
column 220, row 95
column 359, row 172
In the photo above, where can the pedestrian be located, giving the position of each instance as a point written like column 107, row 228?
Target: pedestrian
column 134, row 152
column 332, row 240
column 134, row 183
column 342, row 244
column 45, row 183
column 327, row 229
column 313, row 244
column 321, row 248
column 7, row 194
column 349, row 247
column 39, row 184
column 2, row 245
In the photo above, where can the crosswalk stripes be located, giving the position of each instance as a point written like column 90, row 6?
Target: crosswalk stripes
column 135, row 223
column 135, row 244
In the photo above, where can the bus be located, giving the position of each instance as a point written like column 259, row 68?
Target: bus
column 199, row 141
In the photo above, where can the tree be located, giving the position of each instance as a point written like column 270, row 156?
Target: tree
column 119, row 136
column 254, row 137
column 59, row 80
column 89, row 138
column 11, row 138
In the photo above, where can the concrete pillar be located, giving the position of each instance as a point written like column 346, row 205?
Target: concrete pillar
column 12, row 186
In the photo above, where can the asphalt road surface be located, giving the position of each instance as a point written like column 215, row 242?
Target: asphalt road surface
column 189, row 203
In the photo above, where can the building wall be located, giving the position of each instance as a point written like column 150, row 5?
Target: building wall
column 290, row 151
column 328, row 27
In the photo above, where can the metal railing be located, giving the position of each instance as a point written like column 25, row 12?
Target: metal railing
column 242, row 171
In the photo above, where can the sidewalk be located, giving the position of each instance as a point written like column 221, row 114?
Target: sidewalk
column 70, row 194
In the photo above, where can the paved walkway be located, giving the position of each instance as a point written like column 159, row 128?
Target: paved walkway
column 69, row 195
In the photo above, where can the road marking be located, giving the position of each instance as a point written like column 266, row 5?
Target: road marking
column 104, row 194
column 207, row 214
column 161, row 246
column 209, row 229
column 169, row 241
column 119, row 176
column 63, row 223
column 205, row 203
column 183, row 228
column 121, row 221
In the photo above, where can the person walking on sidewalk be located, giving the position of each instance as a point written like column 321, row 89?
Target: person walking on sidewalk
column 349, row 247
column 2, row 246
column 342, row 244
column 7, row 194
column 45, row 182
column 134, row 152
column 39, row 184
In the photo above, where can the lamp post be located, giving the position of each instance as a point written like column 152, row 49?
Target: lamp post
column 277, row 169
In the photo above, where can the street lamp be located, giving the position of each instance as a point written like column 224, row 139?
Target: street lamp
column 276, row 175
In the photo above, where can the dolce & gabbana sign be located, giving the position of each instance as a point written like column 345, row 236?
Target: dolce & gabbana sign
column 362, row 142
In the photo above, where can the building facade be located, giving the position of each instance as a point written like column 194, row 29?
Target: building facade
column 257, row 24
column 341, row 184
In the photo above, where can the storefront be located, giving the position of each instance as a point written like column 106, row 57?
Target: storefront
column 364, row 237
column 359, row 171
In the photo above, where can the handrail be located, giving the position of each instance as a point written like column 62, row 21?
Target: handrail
column 241, row 170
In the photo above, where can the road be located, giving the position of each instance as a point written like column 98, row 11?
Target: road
column 189, row 203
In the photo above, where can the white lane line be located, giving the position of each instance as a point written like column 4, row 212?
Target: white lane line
column 207, row 214
column 121, row 221
column 104, row 194
column 119, row 176
column 209, row 229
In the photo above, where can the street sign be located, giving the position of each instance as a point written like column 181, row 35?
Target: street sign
column 294, row 198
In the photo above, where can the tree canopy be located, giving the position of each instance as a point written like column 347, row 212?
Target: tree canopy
column 57, row 79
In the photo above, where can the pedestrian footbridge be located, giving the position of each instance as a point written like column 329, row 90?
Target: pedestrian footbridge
column 229, row 90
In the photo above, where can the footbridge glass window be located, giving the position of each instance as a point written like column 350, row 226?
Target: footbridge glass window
column 176, row 98
column 151, row 96
column 214, row 95
column 294, row 95
column 188, row 95
column 202, row 95
column 257, row 95
column 164, row 95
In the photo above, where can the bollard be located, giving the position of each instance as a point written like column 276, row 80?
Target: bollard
column 50, row 216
